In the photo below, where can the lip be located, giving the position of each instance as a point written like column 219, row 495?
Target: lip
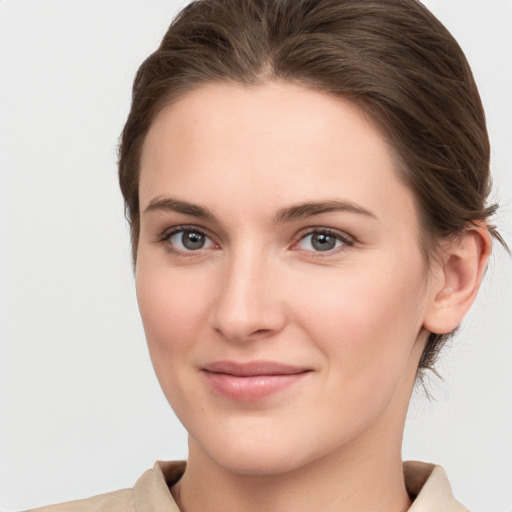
column 252, row 380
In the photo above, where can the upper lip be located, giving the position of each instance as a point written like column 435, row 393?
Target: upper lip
column 253, row 368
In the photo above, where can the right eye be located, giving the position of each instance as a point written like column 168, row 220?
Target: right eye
column 185, row 240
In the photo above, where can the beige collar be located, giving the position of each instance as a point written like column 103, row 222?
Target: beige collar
column 429, row 485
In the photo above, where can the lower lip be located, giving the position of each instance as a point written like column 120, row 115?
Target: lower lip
column 254, row 387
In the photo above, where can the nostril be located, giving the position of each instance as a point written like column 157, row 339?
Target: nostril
column 240, row 335
column 261, row 332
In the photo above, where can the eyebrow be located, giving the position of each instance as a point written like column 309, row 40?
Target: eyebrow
column 169, row 204
column 288, row 214
column 310, row 209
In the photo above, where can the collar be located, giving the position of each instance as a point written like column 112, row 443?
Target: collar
column 428, row 485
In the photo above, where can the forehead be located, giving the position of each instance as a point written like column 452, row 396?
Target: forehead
column 277, row 140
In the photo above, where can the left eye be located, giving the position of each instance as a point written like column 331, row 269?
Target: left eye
column 190, row 240
column 321, row 241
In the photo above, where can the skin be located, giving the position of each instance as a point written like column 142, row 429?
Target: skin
column 355, row 316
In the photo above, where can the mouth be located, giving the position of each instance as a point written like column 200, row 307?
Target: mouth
column 251, row 381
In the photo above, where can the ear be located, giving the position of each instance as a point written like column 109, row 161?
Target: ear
column 456, row 277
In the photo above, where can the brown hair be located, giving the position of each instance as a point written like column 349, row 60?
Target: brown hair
column 392, row 58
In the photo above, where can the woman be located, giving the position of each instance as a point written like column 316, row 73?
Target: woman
column 306, row 184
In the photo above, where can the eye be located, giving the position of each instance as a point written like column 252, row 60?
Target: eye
column 188, row 240
column 323, row 241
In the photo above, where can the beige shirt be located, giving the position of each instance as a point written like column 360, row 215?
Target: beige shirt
column 426, row 483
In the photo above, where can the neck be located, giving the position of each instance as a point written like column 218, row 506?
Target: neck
column 341, row 482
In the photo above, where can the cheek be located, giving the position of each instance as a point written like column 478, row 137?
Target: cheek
column 366, row 320
column 171, row 311
column 174, row 319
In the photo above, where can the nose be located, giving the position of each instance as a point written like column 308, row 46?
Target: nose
column 249, row 304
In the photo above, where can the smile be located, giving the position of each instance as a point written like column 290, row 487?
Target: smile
column 251, row 381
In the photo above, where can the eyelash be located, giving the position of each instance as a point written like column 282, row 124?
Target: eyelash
column 165, row 239
column 346, row 240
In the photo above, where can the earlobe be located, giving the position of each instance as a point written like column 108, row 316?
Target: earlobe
column 456, row 279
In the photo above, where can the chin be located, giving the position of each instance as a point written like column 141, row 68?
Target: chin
column 258, row 461
column 258, row 451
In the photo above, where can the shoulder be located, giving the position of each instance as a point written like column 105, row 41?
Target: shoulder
column 113, row 502
column 151, row 492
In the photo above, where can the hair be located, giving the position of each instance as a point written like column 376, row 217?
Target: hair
column 391, row 58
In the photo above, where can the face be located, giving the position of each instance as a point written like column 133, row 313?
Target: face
column 279, row 275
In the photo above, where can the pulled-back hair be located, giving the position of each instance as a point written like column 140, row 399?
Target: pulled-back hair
column 392, row 58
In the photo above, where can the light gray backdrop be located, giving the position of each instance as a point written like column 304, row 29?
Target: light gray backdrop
column 80, row 410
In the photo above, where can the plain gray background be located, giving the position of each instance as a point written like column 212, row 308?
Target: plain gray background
column 80, row 410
